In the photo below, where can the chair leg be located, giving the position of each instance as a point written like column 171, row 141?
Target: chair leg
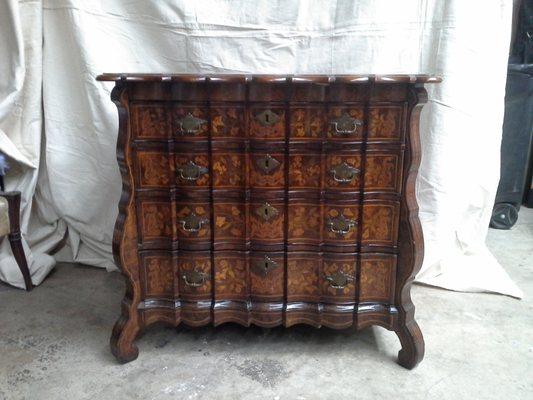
column 18, row 251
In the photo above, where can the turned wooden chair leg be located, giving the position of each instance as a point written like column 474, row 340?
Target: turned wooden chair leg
column 18, row 252
column 15, row 239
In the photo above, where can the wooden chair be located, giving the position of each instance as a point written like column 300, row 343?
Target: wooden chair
column 10, row 227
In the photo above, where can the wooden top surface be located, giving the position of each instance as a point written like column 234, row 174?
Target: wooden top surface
column 243, row 78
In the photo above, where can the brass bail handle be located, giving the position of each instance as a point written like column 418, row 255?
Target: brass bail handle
column 339, row 280
column 194, row 278
column 341, row 225
column 344, row 173
column 191, row 171
column 346, row 125
column 190, row 124
column 192, row 223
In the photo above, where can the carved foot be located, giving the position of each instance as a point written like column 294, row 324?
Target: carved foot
column 412, row 342
column 122, row 340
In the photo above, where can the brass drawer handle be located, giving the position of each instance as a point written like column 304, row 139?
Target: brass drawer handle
column 191, row 171
column 192, row 222
column 190, row 124
column 344, row 173
column 266, row 211
column 267, row 118
column 194, row 278
column 267, row 164
column 339, row 280
column 341, row 224
column 346, row 125
column 264, row 266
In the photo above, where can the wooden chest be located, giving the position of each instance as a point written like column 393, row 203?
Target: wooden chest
column 268, row 200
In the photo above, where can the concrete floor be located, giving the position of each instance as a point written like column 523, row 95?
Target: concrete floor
column 54, row 345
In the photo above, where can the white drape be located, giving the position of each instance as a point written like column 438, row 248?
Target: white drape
column 69, row 176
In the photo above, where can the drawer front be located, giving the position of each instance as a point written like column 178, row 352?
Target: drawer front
column 151, row 121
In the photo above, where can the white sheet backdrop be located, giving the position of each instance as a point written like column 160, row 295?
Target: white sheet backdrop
column 69, row 176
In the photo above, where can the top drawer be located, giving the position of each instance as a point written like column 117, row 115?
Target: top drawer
column 335, row 122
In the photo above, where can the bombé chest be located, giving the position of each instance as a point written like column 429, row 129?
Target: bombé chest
column 268, row 200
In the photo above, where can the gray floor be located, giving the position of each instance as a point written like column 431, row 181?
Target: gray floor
column 53, row 345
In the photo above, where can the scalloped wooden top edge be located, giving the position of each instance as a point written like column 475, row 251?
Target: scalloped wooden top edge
column 244, row 78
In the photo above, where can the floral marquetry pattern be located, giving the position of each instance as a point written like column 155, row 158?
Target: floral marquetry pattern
column 272, row 127
column 303, row 278
column 382, row 172
column 380, row 224
column 156, row 221
column 153, row 169
column 151, row 121
column 308, row 122
column 377, row 278
column 159, row 276
column 261, row 179
column 304, row 170
column 229, row 221
column 385, row 123
column 230, row 278
column 269, row 285
column 227, row 122
column 228, row 170
column 270, row 229
column 304, row 222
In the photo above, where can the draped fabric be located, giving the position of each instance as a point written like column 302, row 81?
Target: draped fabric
column 58, row 126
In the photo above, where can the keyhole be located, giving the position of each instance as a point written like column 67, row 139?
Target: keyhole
column 266, row 265
column 267, row 117
column 266, row 212
column 267, row 163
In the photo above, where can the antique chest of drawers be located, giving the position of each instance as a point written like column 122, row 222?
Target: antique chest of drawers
column 268, row 200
